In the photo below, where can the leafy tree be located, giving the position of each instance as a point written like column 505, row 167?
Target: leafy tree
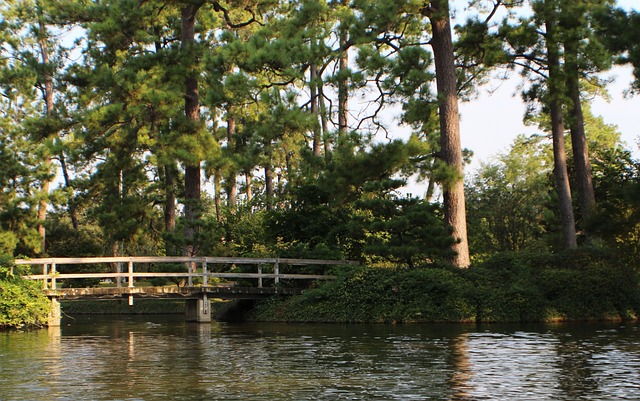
column 533, row 44
column 585, row 54
column 33, row 61
column 509, row 199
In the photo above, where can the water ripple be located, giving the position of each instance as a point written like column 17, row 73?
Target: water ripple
column 140, row 360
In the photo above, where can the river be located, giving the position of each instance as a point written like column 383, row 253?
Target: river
column 162, row 357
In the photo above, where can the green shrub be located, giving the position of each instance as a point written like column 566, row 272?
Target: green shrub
column 587, row 284
column 21, row 301
column 377, row 295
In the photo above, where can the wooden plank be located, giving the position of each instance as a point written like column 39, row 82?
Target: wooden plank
column 109, row 259
column 178, row 259
column 61, row 276
column 71, row 294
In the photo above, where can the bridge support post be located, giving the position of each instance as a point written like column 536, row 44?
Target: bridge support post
column 55, row 314
column 198, row 310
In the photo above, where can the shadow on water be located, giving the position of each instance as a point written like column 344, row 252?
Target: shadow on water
column 161, row 357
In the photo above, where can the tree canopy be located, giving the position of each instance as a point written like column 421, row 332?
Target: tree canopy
column 290, row 127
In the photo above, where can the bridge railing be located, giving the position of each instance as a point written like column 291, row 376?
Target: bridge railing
column 197, row 267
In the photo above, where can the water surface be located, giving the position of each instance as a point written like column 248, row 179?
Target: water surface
column 160, row 358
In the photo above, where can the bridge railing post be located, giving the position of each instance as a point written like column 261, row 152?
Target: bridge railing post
column 276, row 271
column 53, row 276
column 190, row 270
column 259, row 276
column 205, row 274
column 130, row 273
column 119, row 278
column 45, row 272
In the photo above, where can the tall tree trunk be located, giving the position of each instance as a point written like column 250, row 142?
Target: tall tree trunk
column 170, row 175
column 192, row 173
column 313, row 87
column 557, row 131
column 73, row 213
column 48, row 101
column 584, row 179
column 451, row 150
column 247, row 181
column 322, row 107
column 216, row 195
column 343, row 82
column 268, row 185
column 231, row 183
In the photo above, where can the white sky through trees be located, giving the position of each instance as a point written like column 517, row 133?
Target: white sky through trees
column 490, row 123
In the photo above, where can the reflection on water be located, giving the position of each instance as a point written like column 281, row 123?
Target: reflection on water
column 155, row 358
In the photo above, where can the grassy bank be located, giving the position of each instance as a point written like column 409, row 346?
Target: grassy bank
column 573, row 286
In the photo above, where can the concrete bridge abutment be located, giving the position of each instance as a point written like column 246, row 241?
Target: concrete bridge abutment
column 198, row 309
column 55, row 314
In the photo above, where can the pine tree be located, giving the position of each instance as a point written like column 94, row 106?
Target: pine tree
column 451, row 150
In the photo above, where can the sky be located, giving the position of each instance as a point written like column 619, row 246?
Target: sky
column 490, row 123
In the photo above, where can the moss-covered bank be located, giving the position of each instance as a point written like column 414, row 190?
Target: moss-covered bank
column 572, row 286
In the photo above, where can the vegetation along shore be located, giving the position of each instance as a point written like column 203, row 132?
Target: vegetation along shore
column 326, row 130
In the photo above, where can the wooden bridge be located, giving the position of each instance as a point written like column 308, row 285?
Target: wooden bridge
column 196, row 279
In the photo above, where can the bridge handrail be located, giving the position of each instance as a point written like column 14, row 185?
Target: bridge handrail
column 49, row 265
column 179, row 259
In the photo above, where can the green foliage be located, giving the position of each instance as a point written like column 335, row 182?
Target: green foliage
column 587, row 284
column 590, row 284
column 403, row 230
column 378, row 295
column 21, row 301
column 508, row 199
column 353, row 210
column 65, row 241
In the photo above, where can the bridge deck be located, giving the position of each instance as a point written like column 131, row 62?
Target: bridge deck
column 168, row 292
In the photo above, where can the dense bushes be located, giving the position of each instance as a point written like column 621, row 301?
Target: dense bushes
column 578, row 285
column 21, row 301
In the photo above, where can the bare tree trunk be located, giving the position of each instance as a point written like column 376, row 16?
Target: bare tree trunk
column 559, row 153
column 247, row 180
column 313, row 87
column 343, row 82
column 584, row 179
column 268, row 184
column 73, row 214
column 192, row 174
column 216, row 196
column 451, row 150
column 323, row 122
column 232, row 186
column 48, row 100
column 170, row 175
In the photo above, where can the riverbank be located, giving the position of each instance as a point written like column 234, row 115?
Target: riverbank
column 589, row 285
column 585, row 285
